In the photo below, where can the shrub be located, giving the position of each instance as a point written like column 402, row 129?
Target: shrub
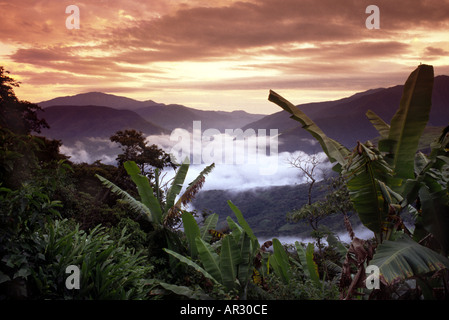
column 36, row 267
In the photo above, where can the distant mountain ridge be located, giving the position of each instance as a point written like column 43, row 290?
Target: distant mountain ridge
column 71, row 123
column 345, row 121
column 169, row 116
column 99, row 115
column 85, row 122
column 98, row 99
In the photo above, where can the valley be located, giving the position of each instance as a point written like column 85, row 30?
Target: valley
column 85, row 122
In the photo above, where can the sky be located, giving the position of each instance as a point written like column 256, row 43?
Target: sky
column 219, row 55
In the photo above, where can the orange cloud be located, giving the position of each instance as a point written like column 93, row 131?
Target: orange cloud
column 285, row 43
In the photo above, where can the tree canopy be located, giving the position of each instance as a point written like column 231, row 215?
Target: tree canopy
column 136, row 149
column 17, row 115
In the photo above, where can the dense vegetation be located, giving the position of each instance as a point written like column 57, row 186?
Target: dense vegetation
column 267, row 209
column 121, row 225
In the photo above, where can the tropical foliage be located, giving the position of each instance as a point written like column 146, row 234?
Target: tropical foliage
column 387, row 180
column 134, row 237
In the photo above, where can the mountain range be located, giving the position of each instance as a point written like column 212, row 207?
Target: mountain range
column 85, row 122
column 344, row 120
column 95, row 116
column 168, row 117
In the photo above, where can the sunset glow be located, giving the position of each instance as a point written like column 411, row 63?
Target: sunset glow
column 219, row 55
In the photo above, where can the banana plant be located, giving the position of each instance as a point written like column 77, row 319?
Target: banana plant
column 233, row 266
column 384, row 181
column 367, row 174
column 161, row 216
column 279, row 261
column 149, row 205
column 404, row 258
column 409, row 122
column 310, row 268
column 334, row 150
column 192, row 231
column 430, row 187
column 374, row 179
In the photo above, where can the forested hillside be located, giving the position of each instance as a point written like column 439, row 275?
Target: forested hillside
column 266, row 209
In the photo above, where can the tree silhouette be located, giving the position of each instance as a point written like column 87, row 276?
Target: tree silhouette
column 17, row 115
column 135, row 148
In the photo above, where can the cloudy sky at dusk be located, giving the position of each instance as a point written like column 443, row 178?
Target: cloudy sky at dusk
column 219, row 55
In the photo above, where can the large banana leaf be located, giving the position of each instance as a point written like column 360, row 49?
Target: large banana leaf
column 279, row 261
column 408, row 124
column 126, row 197
column 229, row 260
column 236, row 230
column 192, row 231
column 302, row 258
column 145, row 190
column 381, row 126
column 365, row 170
column 176, row 185
column 404, row 258
column 333, row 149
column 249, row 244
column 210, row 223
column 241, row 220
column 181, row 290
column 191, row 263
column 246, row 262
column 311, row 265
column 430, row 186
column 209, row 259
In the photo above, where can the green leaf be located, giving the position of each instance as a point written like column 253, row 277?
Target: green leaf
column 404, row 258
column 130, row 200
column 236, row 230
column 381, row 126
column 182, row 291
column 209, row 259
column 421, row 161
column 408, row 124
column 311, row 265
column 281, row 265
column 241, row 220
column 333, row 149
column 192, row 231
column 176, row 185
column 365, row 172
column 23, row 272
column 302, row 258
column 245, row 266
column 229, row 259
column 210, row 223
column 4, row 277
column 145, row 190
column 191, row 264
